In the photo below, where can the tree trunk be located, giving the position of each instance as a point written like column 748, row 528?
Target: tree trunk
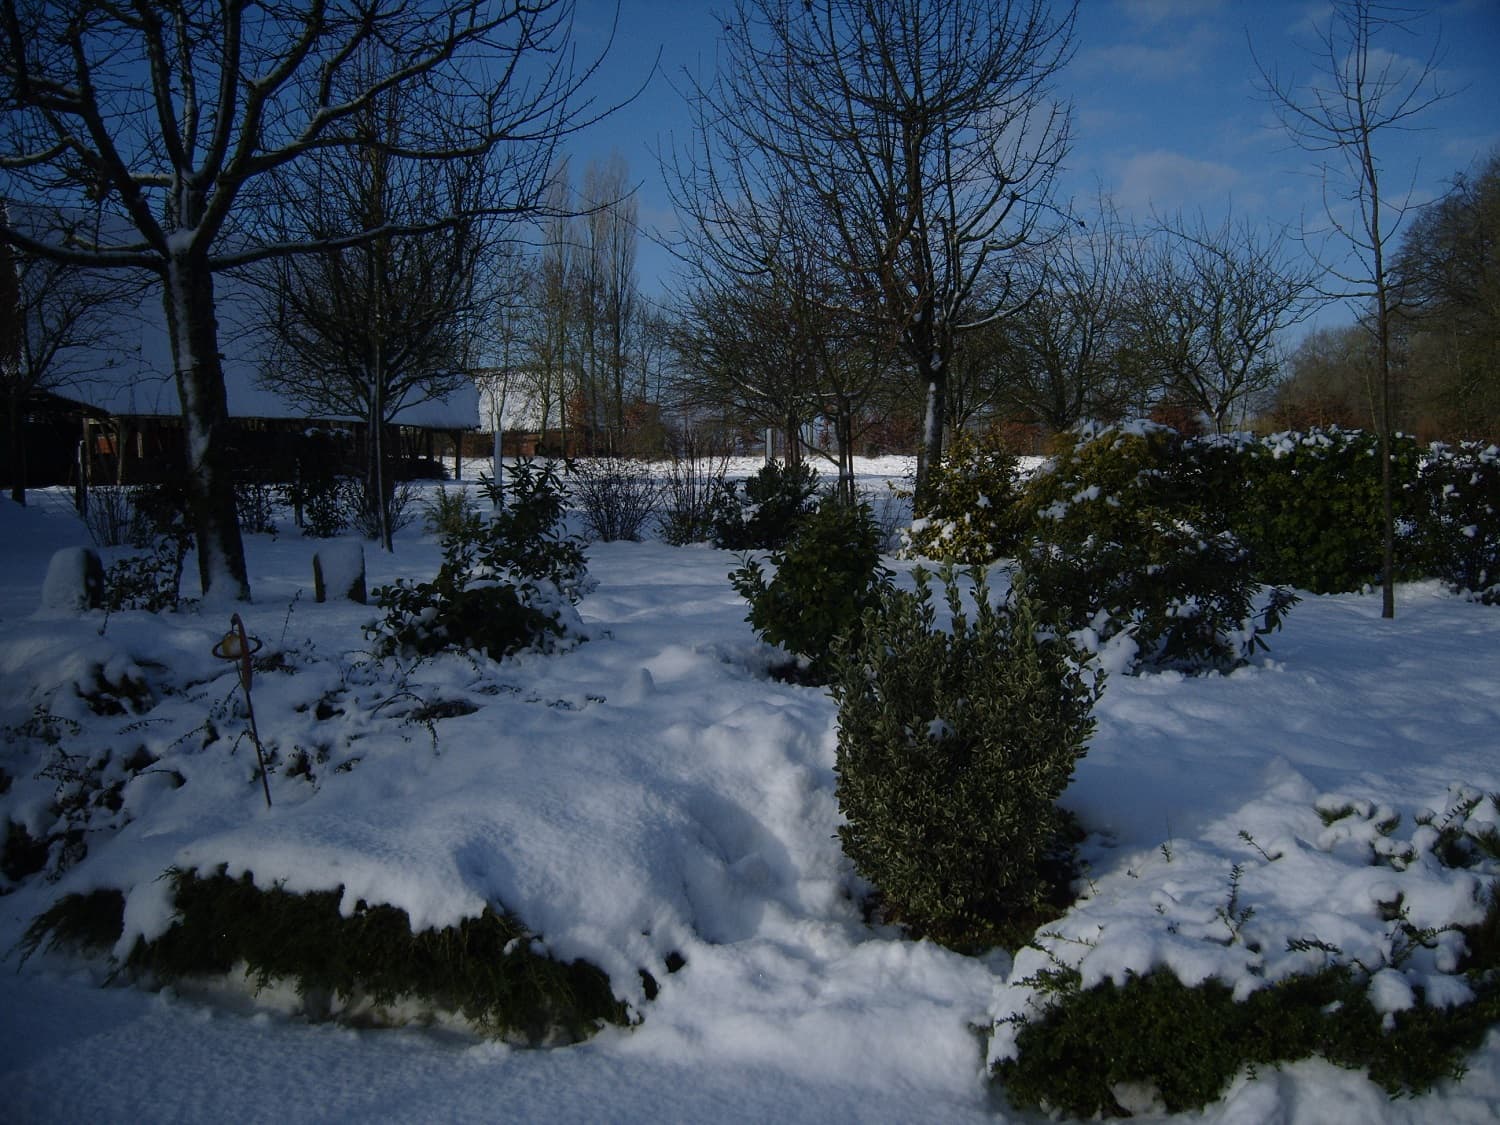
column 189, row 301
column 931, row 453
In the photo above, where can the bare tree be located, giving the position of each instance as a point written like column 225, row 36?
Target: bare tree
column 172, row 115
column 1064, row 348
column 1208, row 307
column 609, row 293
column 912, row 143
column 1361, row 93
column 370, row 329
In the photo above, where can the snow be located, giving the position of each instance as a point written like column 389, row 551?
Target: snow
column 652, row 791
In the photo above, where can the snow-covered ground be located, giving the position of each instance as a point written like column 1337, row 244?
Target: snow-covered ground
column 651, row 791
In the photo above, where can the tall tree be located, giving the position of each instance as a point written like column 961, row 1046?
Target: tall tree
column 173, row 114
column 1362, row 92
column 914, row 144
column 1448, row 273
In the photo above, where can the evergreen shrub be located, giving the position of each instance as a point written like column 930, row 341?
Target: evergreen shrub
column 766, row 510
column 1188, row 1043
column 1311, row 508
column 953, row 747
column 971, row 517
column 1130, row 542
column 490, row 968
column 1459, row 521
column 507, row 582
column 824, row 580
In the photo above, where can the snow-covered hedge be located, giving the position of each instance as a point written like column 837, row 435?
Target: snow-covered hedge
column 1132, row 551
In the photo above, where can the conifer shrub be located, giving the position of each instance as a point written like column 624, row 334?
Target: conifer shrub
column 823, row 581
column 1130, row 544
column 1459, row 518
column 1188, row 1043
column 953, row 748
column 507, row 582
column 1311, row 508
column 491, row 968
column 972, row 516
column 766, row 510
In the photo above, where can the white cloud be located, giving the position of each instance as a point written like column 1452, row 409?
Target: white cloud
column 1160, row 54
column 1167, row 181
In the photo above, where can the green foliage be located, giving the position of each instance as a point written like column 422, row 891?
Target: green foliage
column 1190, row 1042
column 526, row 537
column 506, row 582
column 490, row 968
column 89, row 922
column 1130, row 536
column 825, row 579
column 972, row 516
column 1459, row 518
column 1311, row 509
column 766, row 512
column 447, row 512
column 953, row 747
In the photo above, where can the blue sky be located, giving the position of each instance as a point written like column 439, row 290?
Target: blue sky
column 1166, row 115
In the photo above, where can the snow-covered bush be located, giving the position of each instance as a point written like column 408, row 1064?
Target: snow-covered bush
column 1311, row 508
column 1131, row 550
column 971, row 517
column 1168, row 1046
column 508, row 581
column 824, row 580
column 765, row 511
column 953, row 747
column 1459, row 524
column 1406, row 1008
column 490, row 967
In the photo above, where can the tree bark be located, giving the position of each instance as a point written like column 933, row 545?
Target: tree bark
column 933, row 422
column 188, row 298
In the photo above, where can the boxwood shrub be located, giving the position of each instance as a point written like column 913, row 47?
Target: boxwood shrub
column 953, row 748
column 490, row 968
column 823, row 581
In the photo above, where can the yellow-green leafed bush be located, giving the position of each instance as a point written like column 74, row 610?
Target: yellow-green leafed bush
column 971, row 517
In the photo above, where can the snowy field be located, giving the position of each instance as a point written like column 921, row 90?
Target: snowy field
column 652, row 792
